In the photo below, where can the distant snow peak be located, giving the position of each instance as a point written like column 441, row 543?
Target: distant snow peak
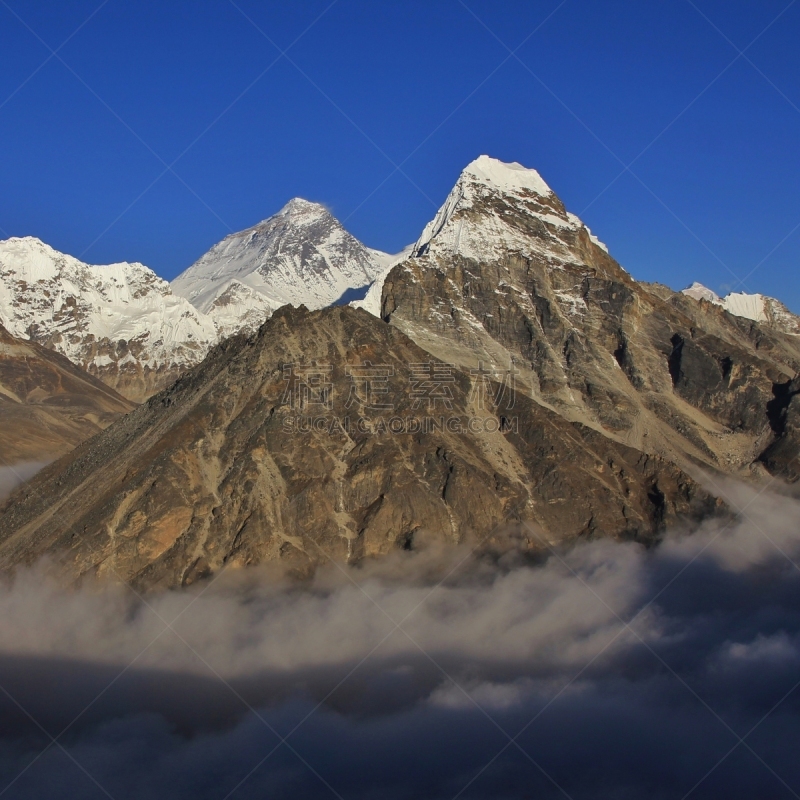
column 301, row 256
column 298, row 206
column 118, row 321
column 700, row 292
column 757, row 307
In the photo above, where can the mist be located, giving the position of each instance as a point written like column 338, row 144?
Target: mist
column 596, row 670
column 14, row 476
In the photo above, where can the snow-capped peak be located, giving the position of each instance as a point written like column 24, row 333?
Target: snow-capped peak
column 488, row 210
column 299, row 211
column 700, row 292
column 494, row 209
column 300, row 204
column 757, row 307
column 118, row 321
column 301, row 255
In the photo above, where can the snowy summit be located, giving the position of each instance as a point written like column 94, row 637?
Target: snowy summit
column 120, row 322
column 488, row 215
column 301, row 255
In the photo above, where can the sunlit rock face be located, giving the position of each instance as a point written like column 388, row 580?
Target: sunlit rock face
column 512, row 377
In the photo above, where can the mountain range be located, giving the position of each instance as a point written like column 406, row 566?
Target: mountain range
column 137, row 333
column 503, row 375
column 300, row 256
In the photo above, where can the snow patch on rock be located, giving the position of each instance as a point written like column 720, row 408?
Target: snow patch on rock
column 372, row 299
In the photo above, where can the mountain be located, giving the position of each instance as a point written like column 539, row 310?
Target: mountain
column 121, row 323
column 757, row 307
column 301, row 256
column 505, row 275
column 515, row 375
column 47, row 404
column 484, row 237
column 279, row 447
column 372, row 298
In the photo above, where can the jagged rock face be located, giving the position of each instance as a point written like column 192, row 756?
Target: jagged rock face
column 48, row 405
column 232, row 466
column 301, row 256
column 121, row 323
column 505, row 274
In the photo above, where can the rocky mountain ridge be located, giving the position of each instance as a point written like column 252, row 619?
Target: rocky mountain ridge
column 757, row 307
column 504, row 274
column 282, row 447
column 515, row 376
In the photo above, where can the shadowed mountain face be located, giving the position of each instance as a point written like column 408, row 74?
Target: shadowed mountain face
column 504, row 274
column 282, row 447
column 47, row 404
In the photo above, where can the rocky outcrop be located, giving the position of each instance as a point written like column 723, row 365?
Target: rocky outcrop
column 281, row 447
column 48, row 405
column 782, row 455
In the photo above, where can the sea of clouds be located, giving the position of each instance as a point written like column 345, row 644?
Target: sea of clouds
column 599, row 670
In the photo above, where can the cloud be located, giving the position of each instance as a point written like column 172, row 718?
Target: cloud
column 610, row 695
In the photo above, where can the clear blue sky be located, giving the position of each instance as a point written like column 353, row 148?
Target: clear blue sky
column 426, row 85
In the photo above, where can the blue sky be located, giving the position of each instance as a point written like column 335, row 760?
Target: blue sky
column 159, row 127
